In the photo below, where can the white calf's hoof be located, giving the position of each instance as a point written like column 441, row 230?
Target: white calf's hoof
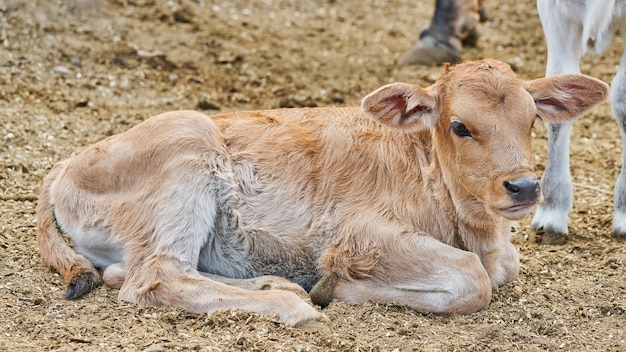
column 618, row 230
column 550, row 226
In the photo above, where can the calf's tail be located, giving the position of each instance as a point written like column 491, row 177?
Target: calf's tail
column 79, row 274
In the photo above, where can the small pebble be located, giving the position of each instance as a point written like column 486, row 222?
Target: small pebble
column 61, row 70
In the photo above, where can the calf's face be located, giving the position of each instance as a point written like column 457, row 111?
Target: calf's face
column 481, row 116
column 483, row 139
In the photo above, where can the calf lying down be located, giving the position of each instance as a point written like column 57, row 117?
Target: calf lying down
column 409, row 198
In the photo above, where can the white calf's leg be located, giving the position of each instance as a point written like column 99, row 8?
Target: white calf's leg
column 563, row 39
column 556, row 184
column 618, row 107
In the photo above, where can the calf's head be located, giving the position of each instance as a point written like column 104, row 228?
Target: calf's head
column 480, row 115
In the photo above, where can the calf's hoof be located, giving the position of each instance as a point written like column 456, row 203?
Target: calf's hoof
column 82, row 283
column 618, row 235
column 482, row 15
column 548, row 237
column 322, row 292
column 471, row 37
column 431, row 51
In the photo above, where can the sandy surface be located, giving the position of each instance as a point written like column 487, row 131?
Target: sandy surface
column 73, row 72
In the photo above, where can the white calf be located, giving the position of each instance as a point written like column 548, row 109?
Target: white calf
column 572, row 28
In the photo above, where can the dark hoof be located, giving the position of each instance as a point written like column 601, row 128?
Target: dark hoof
column 618, row 235
column 482, row 15
column 322, row 292
column 430, row 51
column 548, row 237
column 471, row 37
column 82, row 284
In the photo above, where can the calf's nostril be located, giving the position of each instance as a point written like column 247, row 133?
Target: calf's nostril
column 524, row 189
column 511, row 187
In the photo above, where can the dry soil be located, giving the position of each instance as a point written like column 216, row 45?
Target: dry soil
column 75, row 71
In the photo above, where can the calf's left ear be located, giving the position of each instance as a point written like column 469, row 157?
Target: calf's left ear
column 401, row 105
column 565, row 97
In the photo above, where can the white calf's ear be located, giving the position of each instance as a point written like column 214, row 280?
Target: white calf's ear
column 565, row 97
column 401, row 105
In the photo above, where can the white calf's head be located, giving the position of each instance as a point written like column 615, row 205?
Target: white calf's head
column 481, row 114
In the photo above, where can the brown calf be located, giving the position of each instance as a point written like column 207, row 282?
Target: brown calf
column 409, row 198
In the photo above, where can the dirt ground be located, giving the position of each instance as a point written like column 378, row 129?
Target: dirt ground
column 75, row 71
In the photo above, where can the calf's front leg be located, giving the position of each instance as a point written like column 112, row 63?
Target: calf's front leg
column 418, row 271
column 618, row 107
column 556, row 184
column 501, row 263
column 563, row 40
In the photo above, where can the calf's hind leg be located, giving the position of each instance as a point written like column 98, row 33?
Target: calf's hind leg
column 421, row 272
column 115, row 275
column 166, row 281
column 162, row 247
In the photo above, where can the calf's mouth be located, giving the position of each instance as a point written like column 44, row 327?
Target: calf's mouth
column 518, row 211
column 525, row 194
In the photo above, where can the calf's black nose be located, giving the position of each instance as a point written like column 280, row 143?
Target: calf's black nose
column 523, row 189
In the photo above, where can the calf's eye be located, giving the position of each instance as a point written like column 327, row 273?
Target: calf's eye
column 460, row 129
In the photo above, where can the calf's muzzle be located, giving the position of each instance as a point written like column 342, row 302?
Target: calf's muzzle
column 523, row 189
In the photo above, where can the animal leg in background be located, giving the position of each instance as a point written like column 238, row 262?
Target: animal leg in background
column 569, row 30
column 564, row 52
column 618, row 107
column 454, row 24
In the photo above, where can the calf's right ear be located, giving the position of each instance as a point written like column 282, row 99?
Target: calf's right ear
column 402, row 106
column 565, row 97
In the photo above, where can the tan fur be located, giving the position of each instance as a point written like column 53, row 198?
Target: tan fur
column 207, row 213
